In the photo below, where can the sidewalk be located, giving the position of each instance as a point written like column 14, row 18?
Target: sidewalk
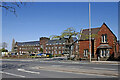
column 106, row 62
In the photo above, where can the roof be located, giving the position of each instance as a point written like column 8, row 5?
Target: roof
column 28, row 43
column 56, row 41
column 85, row 33
column 104, row 46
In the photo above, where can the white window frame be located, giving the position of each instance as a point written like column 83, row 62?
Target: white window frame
column 105, row 54
column 85, row 52
column 104, row 37
column 59, row 52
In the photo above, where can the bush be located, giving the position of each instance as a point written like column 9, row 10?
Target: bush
column 58, row 55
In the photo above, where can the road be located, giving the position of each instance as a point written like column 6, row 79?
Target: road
column 37, row 68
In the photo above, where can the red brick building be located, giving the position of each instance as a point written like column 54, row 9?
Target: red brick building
column 103, row 43
column 49, row 46
column 57, row 46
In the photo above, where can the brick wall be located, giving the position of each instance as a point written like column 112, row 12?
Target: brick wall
column 111, row 39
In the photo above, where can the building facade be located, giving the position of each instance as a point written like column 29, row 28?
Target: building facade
column 57, row 46
column 103, row 43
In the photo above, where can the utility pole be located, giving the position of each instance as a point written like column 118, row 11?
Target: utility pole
column 89, row 32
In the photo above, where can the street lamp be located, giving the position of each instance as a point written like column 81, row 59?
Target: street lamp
column 89, row 32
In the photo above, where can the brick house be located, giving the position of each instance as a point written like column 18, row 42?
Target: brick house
column 103, row 43
column 117, row 49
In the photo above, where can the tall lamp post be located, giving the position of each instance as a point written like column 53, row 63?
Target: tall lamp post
column 89, row 32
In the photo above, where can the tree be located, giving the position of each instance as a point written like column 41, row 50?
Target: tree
column 35, row 50
column 11, row 6
column 3, row 50
column 13, row 45
column 4, row 45
column 41, row 49
column 68, row 34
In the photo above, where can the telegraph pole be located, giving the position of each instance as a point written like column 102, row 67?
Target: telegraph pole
column 89, row 32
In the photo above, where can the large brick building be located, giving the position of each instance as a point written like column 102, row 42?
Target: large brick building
column 57, row 46
column 103, row 43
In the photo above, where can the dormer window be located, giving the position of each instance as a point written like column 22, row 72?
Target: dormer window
column 104, row 38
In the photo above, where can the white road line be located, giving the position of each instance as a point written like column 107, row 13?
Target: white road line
column 56, row 65
column 82, row 73
column 12, row 74
column 28, row 71
column 105, row 68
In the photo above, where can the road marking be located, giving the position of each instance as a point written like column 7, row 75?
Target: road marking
column 56, row 65
column 81, row 73
column 12, row 74
column 105, row 68
column 28, row 71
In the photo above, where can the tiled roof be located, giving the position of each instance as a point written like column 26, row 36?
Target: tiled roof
column 85, row 32
column 28, row 43
column 63, row 40
column 56, row 41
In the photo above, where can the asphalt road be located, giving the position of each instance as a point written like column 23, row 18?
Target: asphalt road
column 25, row 69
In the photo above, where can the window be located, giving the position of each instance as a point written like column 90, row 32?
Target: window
column 71, row 47
column 76, row 47
column 104, row 38
column 56, row 47
column 59, row 47
column 85, row 52
column 55, row 52
column 41, row 46
column 59, row 52
column 104, row 53
column 52, row 47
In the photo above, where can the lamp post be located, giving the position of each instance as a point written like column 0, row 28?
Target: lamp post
column 89, row 32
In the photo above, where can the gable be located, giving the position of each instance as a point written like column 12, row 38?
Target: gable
column 105, row 29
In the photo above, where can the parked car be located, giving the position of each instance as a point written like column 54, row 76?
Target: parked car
column 39, row 55
column 32, row 55
column 48, row 55
column 14, row 54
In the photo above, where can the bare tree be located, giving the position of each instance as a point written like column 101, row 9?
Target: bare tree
column 4, row 45
column 11, row 6
column 13, row 45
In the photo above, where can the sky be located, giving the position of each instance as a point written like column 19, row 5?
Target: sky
column 42, row 19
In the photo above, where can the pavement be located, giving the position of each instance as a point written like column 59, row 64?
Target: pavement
column 56, row 68
column 64, row 60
